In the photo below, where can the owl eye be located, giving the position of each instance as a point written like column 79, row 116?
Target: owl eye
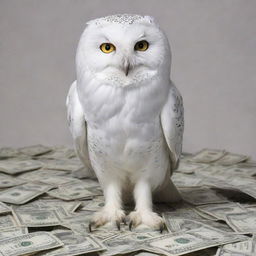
column 141, row 46
column 107, row 47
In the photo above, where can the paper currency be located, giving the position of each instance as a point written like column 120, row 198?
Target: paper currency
column 208, row 156
column 28, row 244
column 75, row 244
column 231, row 159
column 19, row 166
column 199, row 196
column 37, row 218
column 50, row 198
column 23, row 193
column 35, row 150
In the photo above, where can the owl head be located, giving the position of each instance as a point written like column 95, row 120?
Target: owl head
column 123, row 50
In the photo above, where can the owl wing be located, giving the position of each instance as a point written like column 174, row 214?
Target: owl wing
column 78, row 128
column 172, row 121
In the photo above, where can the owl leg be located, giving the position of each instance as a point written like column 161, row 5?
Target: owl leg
column 112, row 211
column 143, row 213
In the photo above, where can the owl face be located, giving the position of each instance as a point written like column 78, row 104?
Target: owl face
column 123, row 50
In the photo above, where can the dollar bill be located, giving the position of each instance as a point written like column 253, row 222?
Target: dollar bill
column 244, row 248
column 41, row 174
column 35, row 150
column 208, row 156
column 7, row 181
column 8, row 152
column 4, row 208
column 37, row 218
column 62, row 164
column 180, row 243
column 220, row 211
column 28, row 244
column 19, row 166
column 7, row 221
column 200, row 196
column 75, row 244
column 59, row 152
column 231, row 159
column 13, row 232
column 92, row 205
column 183, row 180
column 189, row 168
column 23, row 193
column 243, row 222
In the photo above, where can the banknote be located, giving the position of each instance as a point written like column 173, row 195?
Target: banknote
column 200, row 196
column 244, row 248
column 75, row 244
column 37, row 218
column 180, row 243
column 8, row 152
column 188, row 167
column 4, row 208
column 208, row 156
column 28, row 244
column 19, row 166
column 13, row 232
column 220, row 211
column 7, row 181
column 7, row 221
column 231, row 159
column 35, row 150
column 243, row 222
column 23, row 193
column 62, row 164
column 59, row 152
column 41, row 174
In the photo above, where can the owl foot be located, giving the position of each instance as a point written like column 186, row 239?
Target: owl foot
column 149, row 218
column 104, row 216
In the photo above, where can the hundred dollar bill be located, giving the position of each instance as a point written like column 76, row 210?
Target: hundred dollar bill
column 231, row 159
column 28, row 244
column 13, row 232
column 200, row 196
column 208, row 156
column 243, row 222
column 37, row 218
column 4, row 208
column 19, row 166
column 6, row 222
column 220, row 211
column 92, row 205
column 23, row 193
column 75, row 244
column 7, row 181
column 245, row 248
column 35, row 150
column 183, row 180
column 180, row 243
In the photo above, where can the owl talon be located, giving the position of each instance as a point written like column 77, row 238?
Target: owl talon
column 90, row 225
column 162, row 227
column 130, row 225
column 118, row 225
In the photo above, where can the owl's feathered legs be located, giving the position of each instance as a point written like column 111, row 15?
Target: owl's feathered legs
column 112, row 211
column 143, row 213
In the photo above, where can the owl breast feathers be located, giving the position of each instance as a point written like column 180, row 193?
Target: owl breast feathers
column 126, row 116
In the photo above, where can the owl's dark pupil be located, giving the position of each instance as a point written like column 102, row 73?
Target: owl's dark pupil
column 140, row 45
column 107, row 47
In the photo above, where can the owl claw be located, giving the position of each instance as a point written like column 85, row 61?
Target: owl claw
column 118, row 225
column 130, row 225
column 163, row 227
column 91, row 223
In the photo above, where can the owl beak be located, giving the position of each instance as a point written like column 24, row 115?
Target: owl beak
column 126, row 68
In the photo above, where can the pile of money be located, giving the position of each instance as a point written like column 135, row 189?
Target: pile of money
column 46, row 205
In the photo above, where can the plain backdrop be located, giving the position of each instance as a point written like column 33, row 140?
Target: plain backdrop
column 213, row 65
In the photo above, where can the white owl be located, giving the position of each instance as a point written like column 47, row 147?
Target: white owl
column 126, row 116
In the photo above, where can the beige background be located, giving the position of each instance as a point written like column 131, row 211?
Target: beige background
column 214, row 66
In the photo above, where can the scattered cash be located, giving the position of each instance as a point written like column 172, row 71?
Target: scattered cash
column 29, row 243
column 40, row 191
column 208, row 156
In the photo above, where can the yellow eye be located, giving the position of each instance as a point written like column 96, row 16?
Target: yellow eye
column 141, row 46
column 107, row 47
